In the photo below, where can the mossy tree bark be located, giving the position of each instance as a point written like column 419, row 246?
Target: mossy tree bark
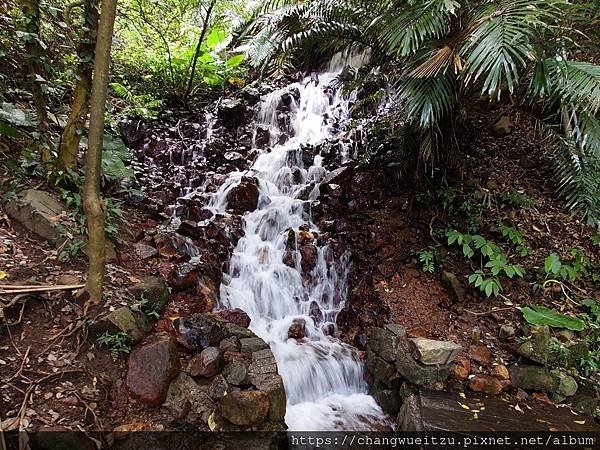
column 33, row 48
column 71, row 138
column 92, row 195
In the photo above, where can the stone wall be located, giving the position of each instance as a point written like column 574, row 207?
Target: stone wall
column 210, row 372
column 396, row 363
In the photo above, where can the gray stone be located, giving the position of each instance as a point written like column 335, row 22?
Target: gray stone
column 252, row 344
column 451, row 282
column 503, row 126
column 263, row 362
column 382, row 371
column 236, row 373
column 384, row 343
column 154, row 290
column 506, row 332
column 534, row 378
column 417, row 373
column 41, row 214
column 238, row 331
column 388, row 399
column 567, row 386
column 145, row 251
column 123, row 320
column 431, row 352
column 537, row 346
column 198, row 332
column 272, row 385
column 185, row 393
column 230, row 344
column 587, row 405
column 245, row 408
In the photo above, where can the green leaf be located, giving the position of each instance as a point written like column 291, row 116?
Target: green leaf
column 235, row 61
column 540, row 315
column 552, row 264
column 9, row 131
column 13, row 115
column 216, row 38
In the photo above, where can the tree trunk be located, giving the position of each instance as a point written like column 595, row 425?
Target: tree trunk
column 69, row 143
column 197, row 52
column 92, row 196
column 31, row 13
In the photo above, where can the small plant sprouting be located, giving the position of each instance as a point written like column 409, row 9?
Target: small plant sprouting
column 72, row 250
column 144, row 305
column 116, row 343
column 427, row 259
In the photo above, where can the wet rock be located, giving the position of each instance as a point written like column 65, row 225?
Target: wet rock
column 431, row 352
column 388, row 399
column 40, row 213
column 244, row 197
column 567, row 386
column 297, row 329
column 503, row 126
column 186, row 399
column 451, row 282
column 384, row 343
column 144, row 251
column 506, row 332
column 262, row 137
column 534, row 378
column 537, row 346
column 154, row 290
column 236, row 373
column 329, row 329
column 263, row 362
column 235, row 316
column 500, row 372
column 123, row 320
column 461, row 368
column 308, row 258
column 198, row 332
column 252, row 344
column 245, row 408
column 480, row 354
column 315, row 312
column 237, row 331
column 485, row 384
column 272, row 385
column 231, row 112
column 207, row 364
column 151, row 368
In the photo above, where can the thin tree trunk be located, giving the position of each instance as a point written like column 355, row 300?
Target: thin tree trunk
column 31, row 13
column 92, row 196
column 197, row 52
column 69, row 143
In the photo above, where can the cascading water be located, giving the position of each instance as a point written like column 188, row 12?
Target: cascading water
column 323, row 377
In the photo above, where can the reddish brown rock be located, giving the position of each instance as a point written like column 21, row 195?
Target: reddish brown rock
column 485, row 384
column 207, row 364
column 480, row 354
column 235, row 316
column 461, row 368
column 500, row 372
column 243, row 197
column 151, row 368
column 245, row 408
column 315, row 312
column 308, row 258
column 297, row 329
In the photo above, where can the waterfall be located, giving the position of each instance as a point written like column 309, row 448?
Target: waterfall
column 323, row 376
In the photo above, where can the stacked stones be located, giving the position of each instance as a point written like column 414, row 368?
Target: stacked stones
column 229, row 383
column 392, row 359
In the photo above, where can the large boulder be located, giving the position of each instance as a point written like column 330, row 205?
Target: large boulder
column 245, row 408
column 432, row 352
column 535, row 378
column 188, row 400
column 243, row 197
column 41, row 214
column 154, row 291
column 151, row 368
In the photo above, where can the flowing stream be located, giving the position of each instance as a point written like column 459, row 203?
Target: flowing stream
column 323, row 377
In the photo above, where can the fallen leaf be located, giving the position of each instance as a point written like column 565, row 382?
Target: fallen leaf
column 580, row 422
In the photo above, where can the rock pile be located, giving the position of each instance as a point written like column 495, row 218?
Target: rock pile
column 224, row 377
column 395, row 361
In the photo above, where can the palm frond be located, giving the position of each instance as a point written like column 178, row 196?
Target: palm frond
column 427, row 100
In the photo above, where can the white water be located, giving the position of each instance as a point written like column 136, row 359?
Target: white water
column 323, row 377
